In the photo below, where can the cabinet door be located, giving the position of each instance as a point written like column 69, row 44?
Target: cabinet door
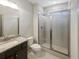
column 2, row 56
column 10, row 54
column 21, row 54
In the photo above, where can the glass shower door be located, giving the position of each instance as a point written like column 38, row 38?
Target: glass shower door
column 60, row 31
column 44, row 31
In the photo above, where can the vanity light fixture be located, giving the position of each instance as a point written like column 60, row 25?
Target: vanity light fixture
column 54, row 2
column 8, row 4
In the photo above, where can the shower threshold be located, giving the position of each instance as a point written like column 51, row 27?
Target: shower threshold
column 56, row 48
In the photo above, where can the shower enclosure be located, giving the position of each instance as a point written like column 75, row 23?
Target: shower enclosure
column 54, row 31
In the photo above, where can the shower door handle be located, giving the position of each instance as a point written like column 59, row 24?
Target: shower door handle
column 51, row 39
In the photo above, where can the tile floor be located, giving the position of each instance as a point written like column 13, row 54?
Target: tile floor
column 43, row 55
column 46, row 56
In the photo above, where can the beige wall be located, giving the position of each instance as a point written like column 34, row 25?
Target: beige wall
column 74, row 29
column 26, row 17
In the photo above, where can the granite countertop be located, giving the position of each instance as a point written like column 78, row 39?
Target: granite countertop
column 12, row 43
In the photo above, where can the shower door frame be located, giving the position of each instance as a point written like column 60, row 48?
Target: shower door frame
column 68, row 35
column 51, row 34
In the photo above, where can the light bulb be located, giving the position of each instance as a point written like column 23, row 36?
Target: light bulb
column 8, row 4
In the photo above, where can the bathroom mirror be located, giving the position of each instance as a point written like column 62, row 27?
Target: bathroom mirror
column 9, row 25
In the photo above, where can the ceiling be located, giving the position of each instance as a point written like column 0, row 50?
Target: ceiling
column 45, row 3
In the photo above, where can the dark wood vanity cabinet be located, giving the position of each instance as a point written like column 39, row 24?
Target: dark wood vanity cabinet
column 18, row 52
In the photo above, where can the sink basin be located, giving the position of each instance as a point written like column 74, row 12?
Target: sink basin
column 19, row 39
column 7, row 41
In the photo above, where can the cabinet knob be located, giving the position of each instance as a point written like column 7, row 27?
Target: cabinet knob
column 16, row 55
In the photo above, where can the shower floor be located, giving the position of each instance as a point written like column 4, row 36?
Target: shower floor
column 55, row 47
